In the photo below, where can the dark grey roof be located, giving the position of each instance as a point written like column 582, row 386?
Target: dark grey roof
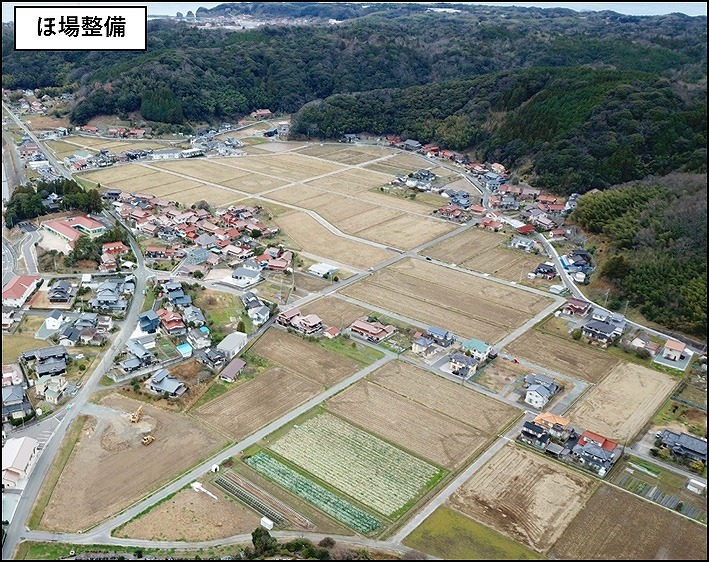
column 233, row 368
column 55, row 314
column 464, row 359
column 600, row 327
column 532, row 427
column 51, row 366
column 44, row 353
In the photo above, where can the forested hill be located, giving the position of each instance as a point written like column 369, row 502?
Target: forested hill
column 582, row 100
column 656, row 235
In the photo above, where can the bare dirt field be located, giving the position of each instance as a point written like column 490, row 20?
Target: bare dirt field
column 418, row 205
column 351, row 181
column 39, row 122
column 194, row 516
column 565, row 357
column 256, row 403
column 307, row 359
column 468, row 306
column 334, row 311
column 314, row 238
column 616, row 525
column 623, row 402
column 348, row 155
column 118, row 173
column 500, row 373
column 407, row 162
column 524, row 496
column 200, row 169
column 412, row 426
column 109, row 469
column 465, row 246
column 308, row 282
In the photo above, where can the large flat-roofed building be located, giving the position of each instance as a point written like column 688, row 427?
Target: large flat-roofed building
column 17, row 458
column 18, row 290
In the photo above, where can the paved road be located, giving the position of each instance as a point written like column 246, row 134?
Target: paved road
column 29, row 253
column 9, row 261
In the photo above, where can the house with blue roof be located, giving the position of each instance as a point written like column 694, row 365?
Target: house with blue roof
column 442, row 337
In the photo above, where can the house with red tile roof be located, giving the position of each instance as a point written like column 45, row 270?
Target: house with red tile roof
column 18, row 290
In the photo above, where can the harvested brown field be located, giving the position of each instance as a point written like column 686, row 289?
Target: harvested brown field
column 617, row 525
column 109, row 469
column 62, row 149
column 307, row 282
column 351, row 181
column 465, row 246
column 315, row 239
column 350, row 156
column 254, row 183
column 288, row 166
column 462, row 404
column 193, row 516
column 256, row 403
column 623, row 402
column 524, row 496
column 145, row 183
column 118, row 173
column 418, row 205
column 468, row 305
column 307, row 359
column 563, row 356
column 213, row 195
column 200, row 169
column 412, row 426
column 407, row 162
column 406, row 231
column 334, row 311
column 167, row 189
column 505, row 263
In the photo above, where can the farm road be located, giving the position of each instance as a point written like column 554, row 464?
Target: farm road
column 101, row 533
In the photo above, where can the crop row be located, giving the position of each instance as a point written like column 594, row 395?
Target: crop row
column 320, row 497
column 363, row 466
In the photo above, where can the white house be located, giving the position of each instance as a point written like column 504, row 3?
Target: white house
column 259, row 314
column 537, row 396
column 246, row 277
column 17, row 458
column 54, row 321
column 673, row 350
column 322, row 269
column 233, row 344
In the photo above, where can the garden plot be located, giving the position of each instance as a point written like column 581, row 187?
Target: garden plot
column 109, row 469
column 467, row 305
column 320, row 497
column 524, row 496
column 253, row 404
column 617, row 525
column 623, row 402
column 414, row 427
column 315, row 239
column 309, row 360
column 351, row 182
column 334, row 311
column 366, row 468
column 573, row 359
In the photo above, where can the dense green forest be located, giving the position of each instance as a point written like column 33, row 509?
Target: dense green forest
column 656, row 234
column 26, row 203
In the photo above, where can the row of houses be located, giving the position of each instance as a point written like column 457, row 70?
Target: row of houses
column 554, row 435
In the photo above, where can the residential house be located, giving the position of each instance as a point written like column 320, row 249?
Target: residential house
column 534, row 435
column 576, row 307
column 371, row 331
column 284, row 318
column 423, row 346
column 176, row 294
column 309, row 324
column 232, row 370
column 684, row 445
column 69, row 336
column 199, row 338
column 61, row 292
column 556, row 426
column 673, row 350
column 54, row 321
column 478, row 349
column 331, row 333
column 18, row 455
column 322, row 269
column 233, row 344
column 15, row 404
column 246, row 277
column 109, row 297
column 491, row 224
column 10, row 316
column 213, row 358
column 411, row 144
column 138, row 350
column 523, row 243
column 546, row 271
column 50, row 388
column 11, row 375
column 602, row 332
column 462, row 365
column 259, row 315
column 18, row 290
column 194, row 316
column 115, row 248
column 537, row 396
column 441, row 337
column 149, row 322
column 86, row 320
column 250, row 300
column 104, row 324
column 91, row 336
column 597, row 452
column 163, row 383
column 171, row 323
